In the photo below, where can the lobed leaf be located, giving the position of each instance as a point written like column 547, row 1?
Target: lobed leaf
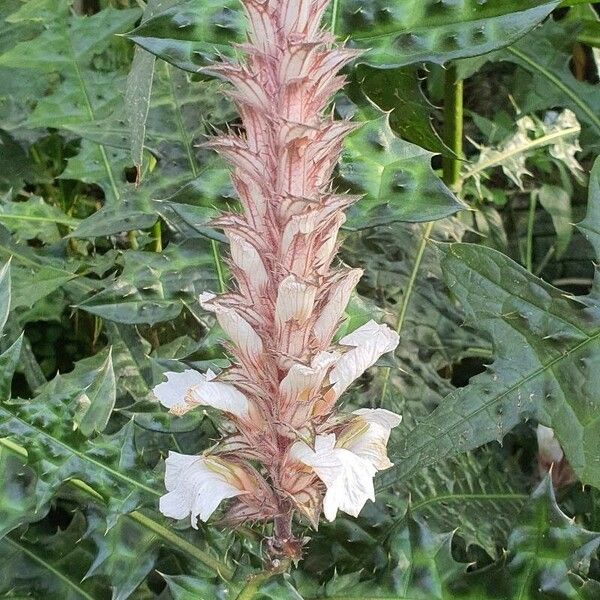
column 413, row 31
column 545, row 343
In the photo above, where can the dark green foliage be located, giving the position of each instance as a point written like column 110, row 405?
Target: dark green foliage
column 106, row 198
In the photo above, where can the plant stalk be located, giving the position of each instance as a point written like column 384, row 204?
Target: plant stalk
column 453, row 126
column 453, row 137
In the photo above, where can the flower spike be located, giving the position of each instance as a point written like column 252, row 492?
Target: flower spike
column 288, row 451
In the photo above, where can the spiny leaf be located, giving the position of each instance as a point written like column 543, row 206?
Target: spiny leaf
column 17, row 490
column 545, row 343
column 125, row 554
column 154, row 287
column 395, row 176
column 67, row 45
column 399, row 91
column 49, row 566
column 488, row 488
column 95, row 403
column 139, row 88
column 408, row 31
column 546, row 55
column 412, row 31
column 192, row 33
column 34, row 219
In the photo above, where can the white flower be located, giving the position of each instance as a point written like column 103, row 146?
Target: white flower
column 196, row 486
column 235, row 326
column 246, row 257
column 332, row 311
column 301, row 380
column 548, row 445
column 347, row 476
column 370, row 442
column 295, row 300
column 182, row 391
column 370, row 341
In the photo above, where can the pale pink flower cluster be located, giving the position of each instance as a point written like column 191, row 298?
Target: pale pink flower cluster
column 291, row 451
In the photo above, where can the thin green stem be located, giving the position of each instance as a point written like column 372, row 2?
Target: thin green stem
column 218, row 267
column 530, row 224
column 157, row 237
column 334, row 15
column 253, row 584
column 408, row 294
column 453, row 126
column 453, row 133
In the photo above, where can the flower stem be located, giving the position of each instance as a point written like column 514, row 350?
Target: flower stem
column 218, row 267
column 453, row 133
column 530, row 224
column 157, row 237
column 453, row 126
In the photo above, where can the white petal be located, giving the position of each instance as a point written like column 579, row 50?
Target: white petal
column 297, row 225
column 247, row 258
column 295, row 300
column 382, row 336
column 301, row 379
column 370, row 341
column 331, row 313
column 182, row 390
column 221, row 396
column 370, row 442
column 235, row 326
column 379, row 416
column 548, row 445
column 347, row 477
column 172, row 393
column 195, row 487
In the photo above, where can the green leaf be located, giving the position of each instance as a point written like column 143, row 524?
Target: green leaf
column 395, row 176
column 192, row 34
column 57, row 453
column 183, row 587
column 412, row 31
column 548, row 554
column 95, row 403
column 68, row 46
column 546, row 55
column 17, row 487
column 9, row 359
column 15, row 165
column 486, row 487
column 5, row 294
column 547, row 545
column 418, row 565
column 154, row 287
column 41, row 570
column 137, row 100
column 184, row 174
column 125, row 554
column 34, row 219
column 545, row 343
column 139, row 88
column 399, row 91
column 557, row 202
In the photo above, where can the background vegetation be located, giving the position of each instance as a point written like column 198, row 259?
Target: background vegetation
column 104, row 204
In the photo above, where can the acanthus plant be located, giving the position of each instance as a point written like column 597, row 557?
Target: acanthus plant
column 291, row 452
